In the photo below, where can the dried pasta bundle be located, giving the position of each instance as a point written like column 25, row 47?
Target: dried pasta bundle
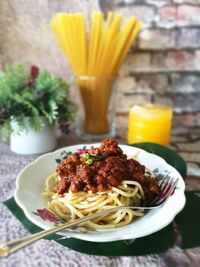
column 98, row 53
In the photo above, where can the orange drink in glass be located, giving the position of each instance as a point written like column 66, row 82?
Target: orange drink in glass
column 149, row 123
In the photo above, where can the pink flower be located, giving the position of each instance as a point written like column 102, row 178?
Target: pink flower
column 47, row 215
column 82, row 150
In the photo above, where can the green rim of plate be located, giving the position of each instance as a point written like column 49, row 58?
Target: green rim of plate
column 155, row 243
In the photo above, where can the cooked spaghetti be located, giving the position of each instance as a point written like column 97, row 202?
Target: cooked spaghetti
column 97, row 179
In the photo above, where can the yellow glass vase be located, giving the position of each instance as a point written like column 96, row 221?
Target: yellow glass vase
column 97, row 95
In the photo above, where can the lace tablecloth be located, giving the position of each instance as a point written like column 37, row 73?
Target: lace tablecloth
column 49, row 253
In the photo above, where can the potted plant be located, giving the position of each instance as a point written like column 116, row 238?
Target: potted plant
column 31, row 103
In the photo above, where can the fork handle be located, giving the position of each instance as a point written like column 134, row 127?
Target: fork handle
column 12, row 246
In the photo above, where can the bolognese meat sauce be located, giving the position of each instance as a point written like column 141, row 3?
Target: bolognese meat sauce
column 98, row 169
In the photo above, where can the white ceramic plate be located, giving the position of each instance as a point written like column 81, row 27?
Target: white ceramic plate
column 31, row 182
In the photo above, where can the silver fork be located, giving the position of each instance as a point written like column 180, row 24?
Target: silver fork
column 167, row 186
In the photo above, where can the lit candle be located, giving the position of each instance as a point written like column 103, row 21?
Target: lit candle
column 149, row 123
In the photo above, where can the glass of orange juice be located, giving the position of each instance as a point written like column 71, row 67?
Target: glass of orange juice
column 150, row 123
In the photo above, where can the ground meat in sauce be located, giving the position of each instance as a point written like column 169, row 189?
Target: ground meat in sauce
column 77, row 175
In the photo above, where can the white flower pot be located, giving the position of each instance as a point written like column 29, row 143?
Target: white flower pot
column 32, row 142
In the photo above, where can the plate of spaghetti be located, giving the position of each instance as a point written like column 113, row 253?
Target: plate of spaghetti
column 81, row 180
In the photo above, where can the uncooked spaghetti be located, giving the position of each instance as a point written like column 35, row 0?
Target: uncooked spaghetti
column 97, row 53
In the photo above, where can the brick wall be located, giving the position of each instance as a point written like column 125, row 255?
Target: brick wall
column 164, row 65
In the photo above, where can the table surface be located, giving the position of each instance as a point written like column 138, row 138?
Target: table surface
column 49, row 253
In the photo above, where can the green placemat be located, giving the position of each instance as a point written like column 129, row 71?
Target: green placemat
column 188, row 220
column 154, row 243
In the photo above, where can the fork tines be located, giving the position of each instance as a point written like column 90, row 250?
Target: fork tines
column 167, row 187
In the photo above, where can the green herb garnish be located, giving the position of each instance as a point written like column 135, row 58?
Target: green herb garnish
column 97, row 157
column 85, row 155
column 89, row 162
column 90, row 159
